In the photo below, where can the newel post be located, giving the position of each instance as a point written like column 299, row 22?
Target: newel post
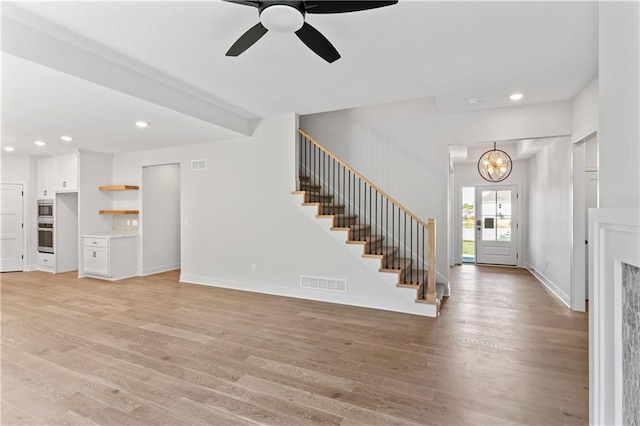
column 431, row 268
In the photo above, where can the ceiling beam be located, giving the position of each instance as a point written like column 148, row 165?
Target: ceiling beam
column 43, row 42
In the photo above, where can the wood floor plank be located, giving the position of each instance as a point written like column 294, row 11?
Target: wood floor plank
column 150, row 350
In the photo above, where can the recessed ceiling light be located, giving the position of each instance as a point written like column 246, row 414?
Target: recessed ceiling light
column 473, row 101
column 142, row 124
column 516, row 96
column 66, row 138
column 9, row 148
column 40, row 143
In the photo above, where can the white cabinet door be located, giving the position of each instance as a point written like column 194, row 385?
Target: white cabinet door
column 45, row 177
column 96, row 261
column 66, row 172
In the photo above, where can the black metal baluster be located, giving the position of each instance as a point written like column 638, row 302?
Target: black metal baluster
column 386, row 224
column 380, row 252
column 405, row 236
column 393, row 226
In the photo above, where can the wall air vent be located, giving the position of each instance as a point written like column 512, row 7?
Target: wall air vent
column 198, row 164
column 326, row 284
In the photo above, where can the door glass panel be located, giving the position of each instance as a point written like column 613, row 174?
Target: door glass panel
column 489, row 202
column 468, row 224
column 503, row 215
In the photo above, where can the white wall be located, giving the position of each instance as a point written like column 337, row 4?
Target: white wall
column 161, row 218
column 403, row 147
column 94, row 171
column 240, row 212
column 550, row 220
column 17, row 168
column 585, row 112
column 466, row 174
column 619, row 186
column 619, row 137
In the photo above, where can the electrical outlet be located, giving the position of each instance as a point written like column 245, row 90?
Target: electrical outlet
column 134, row 222
column 128, row 222
column 547, row 263
column 253, row 266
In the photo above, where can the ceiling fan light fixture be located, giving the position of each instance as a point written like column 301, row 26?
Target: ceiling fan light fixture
column 282, row 18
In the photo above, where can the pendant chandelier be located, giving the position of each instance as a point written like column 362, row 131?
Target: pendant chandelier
column 494, row 165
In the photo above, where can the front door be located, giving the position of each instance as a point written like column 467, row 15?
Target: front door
column 11, row 228
column 496, row 225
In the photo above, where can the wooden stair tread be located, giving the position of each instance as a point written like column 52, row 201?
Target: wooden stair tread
column 345, row 216
column 385, row 251
column 354, row 228
column 358, row 227
column 415, row 276
column 440, row 287
column 398, row 264
column 369, row 239
column 309, row 189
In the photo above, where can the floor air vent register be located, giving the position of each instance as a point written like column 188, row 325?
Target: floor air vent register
column 326, row 284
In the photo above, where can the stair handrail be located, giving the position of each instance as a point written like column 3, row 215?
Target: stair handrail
column 373, row 185
column 430, row 293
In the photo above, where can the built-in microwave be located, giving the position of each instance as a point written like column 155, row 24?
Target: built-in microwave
column 45, row 209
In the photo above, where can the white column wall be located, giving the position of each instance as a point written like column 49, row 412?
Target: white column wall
column 550, row 220
column 619, row 195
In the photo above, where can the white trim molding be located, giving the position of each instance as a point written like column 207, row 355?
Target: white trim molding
column 614, row 238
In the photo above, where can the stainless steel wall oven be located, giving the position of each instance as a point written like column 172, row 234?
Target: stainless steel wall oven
column 45, row 226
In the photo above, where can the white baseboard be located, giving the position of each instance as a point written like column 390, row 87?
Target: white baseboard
column 564, row 298
column 410, row 307
column 158, row 269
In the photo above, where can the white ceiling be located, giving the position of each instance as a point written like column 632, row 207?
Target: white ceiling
column 39, row 103
column 452, row 51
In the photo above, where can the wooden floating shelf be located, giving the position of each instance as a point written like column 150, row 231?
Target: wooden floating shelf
column 118, row 187
column 119, row 211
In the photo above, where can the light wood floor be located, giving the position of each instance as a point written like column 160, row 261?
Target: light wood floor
column 150, row 351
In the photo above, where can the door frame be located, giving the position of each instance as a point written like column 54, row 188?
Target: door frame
column 515, row 230
column 578, row 214
column 25, row 224
column 456, row 218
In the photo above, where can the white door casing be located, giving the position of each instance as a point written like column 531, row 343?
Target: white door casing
column 11, row 228
column 497, row 225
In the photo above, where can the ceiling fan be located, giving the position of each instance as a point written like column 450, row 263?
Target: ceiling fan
column 288, row 16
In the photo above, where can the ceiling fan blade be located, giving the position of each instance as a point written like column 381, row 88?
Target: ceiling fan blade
column 252, row 3
column 247, row 39
column 328, row 6
column 318, row 43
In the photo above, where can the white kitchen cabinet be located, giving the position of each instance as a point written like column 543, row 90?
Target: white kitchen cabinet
column 46, row 262
column 66, row 172
column 111, row 257
column 45, row 180
column 96, row 261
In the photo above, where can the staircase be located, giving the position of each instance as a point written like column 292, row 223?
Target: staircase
column 404, row 244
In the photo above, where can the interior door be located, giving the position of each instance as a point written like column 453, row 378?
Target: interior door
column 496, row 225
column 11, row 221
